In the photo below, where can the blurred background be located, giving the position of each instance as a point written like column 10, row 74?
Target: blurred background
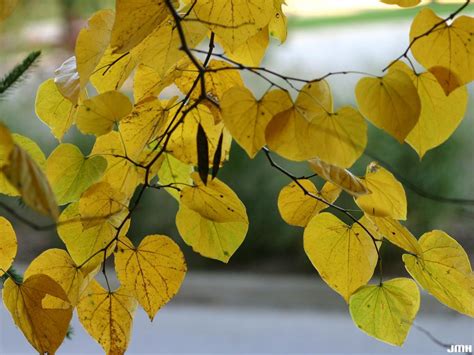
column 268, row 298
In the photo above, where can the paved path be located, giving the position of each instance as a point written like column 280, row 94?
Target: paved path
column 242, row 313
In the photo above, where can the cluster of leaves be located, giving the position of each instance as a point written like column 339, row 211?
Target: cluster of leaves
column 178, row 144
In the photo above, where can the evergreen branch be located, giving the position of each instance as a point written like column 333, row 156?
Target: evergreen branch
column 14, row 76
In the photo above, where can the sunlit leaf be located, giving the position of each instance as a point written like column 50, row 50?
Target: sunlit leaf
column 247, row 118
column 386, row 311
column 57, row 112
column 402, row 3
column 33, row 150
column 390, row 102
column 27, row 177
column 448, row 49
column 209, row 238
column 443, row 269
column 8, row 245
column 153, row 271
column 135, row 19
column 251, row 52
column 6, row 145
column 148, row 82
column 215, row 201
column 218, row 79
column 440, row 114
column 142, row 126
column 121, row 173
column 70, row 173
column 183, row 144
column 162, row 48
column 102, row 203
column 396, row 233
column 107, row 316
column 92, row 42
column 99, row 114
column 176, row 173
column 114, row 69
column 234, row 21
column 86, row 245
column 387, row 197
column 345, row 256
column 44, row 326
column 297, row 208
column 339, row 176
column 278, row 23
column 58, row 265
column 311, row 129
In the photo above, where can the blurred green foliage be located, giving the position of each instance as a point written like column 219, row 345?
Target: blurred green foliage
column 271, row 245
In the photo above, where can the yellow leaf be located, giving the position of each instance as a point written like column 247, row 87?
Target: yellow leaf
column 58, row 265
column 215, row 201
column 443, row 269
column 154, row 271
column 142, row 126
column 99, row 114
column 183, row 144
column 218, row 80
column 70, row 174
column 135, row 20
column 339, row 176
column 101, row 203
column 440, row 114
column 448, row 80
column 85, row 245
column 121, row 173
column 114, row 69
column 246, row 118
column 162, row 48
column 386, row 311
column 153, row 157
column 209, row 238
column 24, row 174
column 311, row 129
column 402, row 3
column 391, row 103
column 173, row 171
column 148, row 82
column 297, row 208
column 92, row 42
column 393, row 231
column 448, row 46
column 32, row 148
column 8, row 246
column 6, row 8
column 57, row 112
column 44, row 326
column 107, row 316
column 345, row 256
column 387, row 197
column 279, row 23
column 252, row 51
column 234, row 21
column 6, row 145
column 35, row 153
column 67, row 80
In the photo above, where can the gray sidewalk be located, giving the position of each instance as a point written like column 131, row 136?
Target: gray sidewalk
column 254, row 314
